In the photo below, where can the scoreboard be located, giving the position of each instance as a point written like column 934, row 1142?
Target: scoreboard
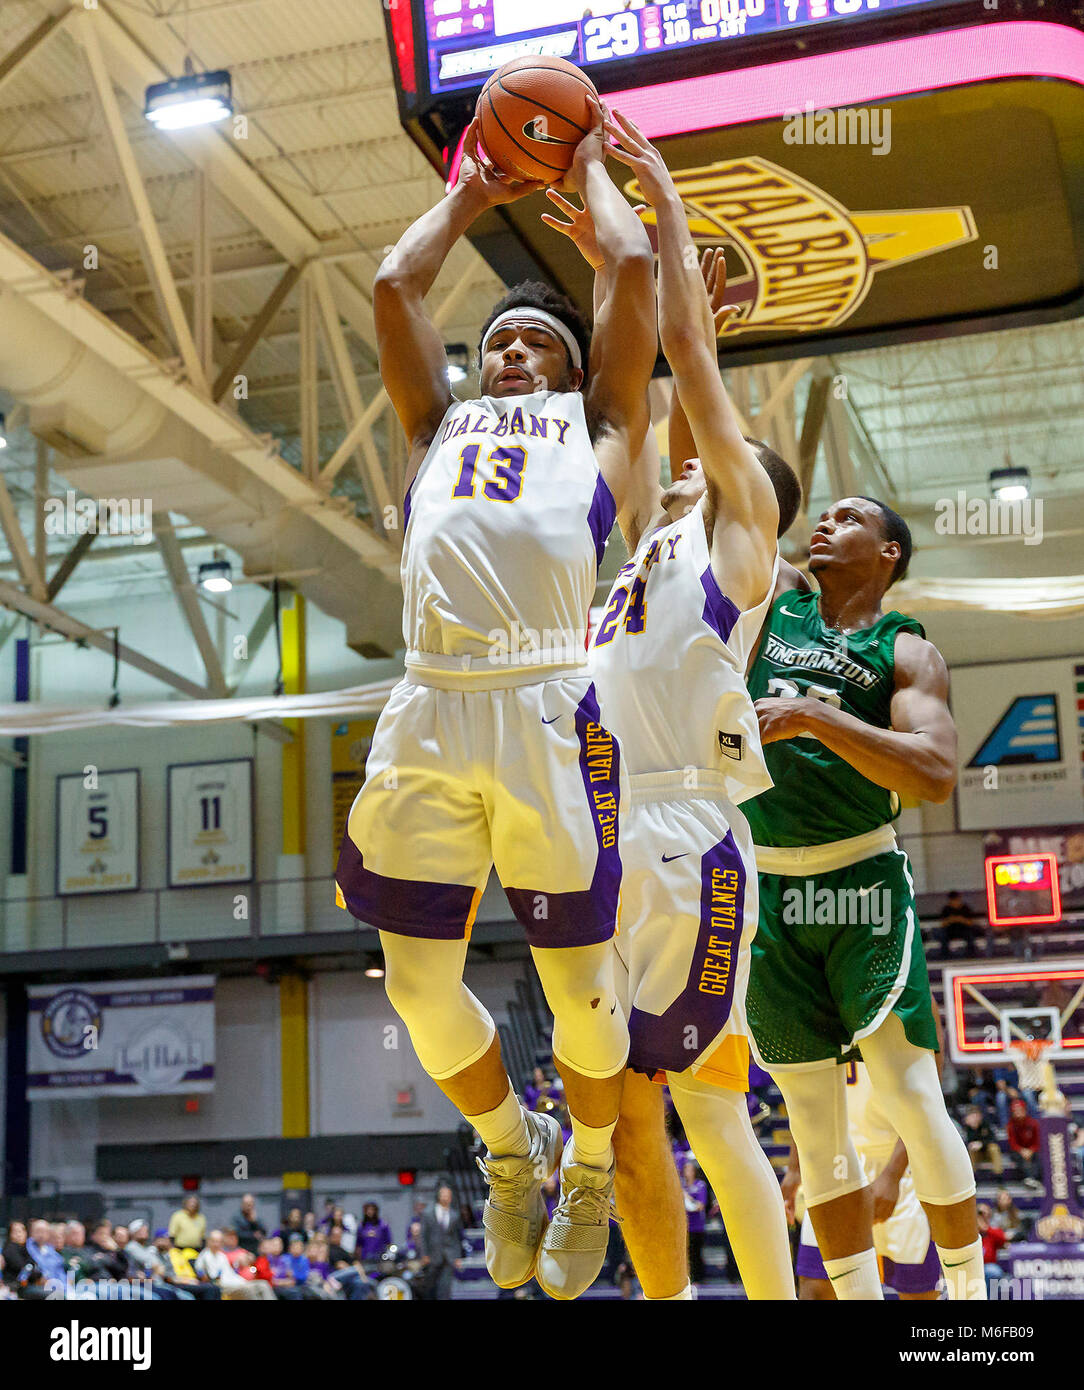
column 467, row 39
column 1022, row 889
column 875, row 171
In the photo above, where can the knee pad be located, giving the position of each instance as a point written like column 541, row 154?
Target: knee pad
column 448, row 1026
column 817, row 1109
column 906, row 1084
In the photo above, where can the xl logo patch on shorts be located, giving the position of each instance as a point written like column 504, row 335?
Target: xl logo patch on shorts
column 731, row 746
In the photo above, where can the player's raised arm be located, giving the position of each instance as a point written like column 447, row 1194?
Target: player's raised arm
column 644, row 490
column 625, row 339
column 916, row 757
column 413, row 363
column 681, row 443
column 740, row 493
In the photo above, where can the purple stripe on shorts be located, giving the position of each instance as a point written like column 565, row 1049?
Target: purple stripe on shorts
column 406, row 503
column 720, row 612
column 601, row 517
column 809, row 1264
column 914, row 1278
column 587, row 917
column 432, row 911
column 659, row 1042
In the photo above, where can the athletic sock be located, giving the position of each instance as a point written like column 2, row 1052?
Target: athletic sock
column 504, row 1130
column 964, row 1271
column 855, row 1276
column 592, row 1146
column 685, row 1296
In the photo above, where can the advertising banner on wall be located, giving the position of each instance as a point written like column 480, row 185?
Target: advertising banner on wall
column 97, row 832
column 1020, row 726
column 121, row 1038
column 210, row 822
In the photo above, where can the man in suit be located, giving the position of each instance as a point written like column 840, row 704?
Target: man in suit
column 441, row 1244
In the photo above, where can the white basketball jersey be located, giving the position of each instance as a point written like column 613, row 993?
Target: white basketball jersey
column 669, row 660
column 506, row 523
column 871, row 1133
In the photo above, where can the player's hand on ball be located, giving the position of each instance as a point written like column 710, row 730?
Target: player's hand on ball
column 886, row 1193
column 783, row 718
column 631, row 147
column 484, row 180
column 590, row 150
column 580, row 229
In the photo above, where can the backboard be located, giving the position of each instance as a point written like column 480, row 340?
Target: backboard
column 989, row 1007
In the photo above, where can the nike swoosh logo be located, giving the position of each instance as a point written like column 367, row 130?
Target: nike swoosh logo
column 863, row 891
column 667, row 857
column 789, row 613
column 553, row 720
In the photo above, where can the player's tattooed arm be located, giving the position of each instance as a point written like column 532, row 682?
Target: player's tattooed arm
column 741, row 499
column 413, row 363
column 625, row 339
column 915, row 757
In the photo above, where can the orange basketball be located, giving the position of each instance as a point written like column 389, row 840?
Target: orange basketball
column 533, row 112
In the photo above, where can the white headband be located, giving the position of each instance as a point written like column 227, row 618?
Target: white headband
column 532, row 315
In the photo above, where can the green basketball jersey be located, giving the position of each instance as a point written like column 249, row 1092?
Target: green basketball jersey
column 817, row 797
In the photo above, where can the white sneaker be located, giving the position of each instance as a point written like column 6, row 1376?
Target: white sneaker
column 515, row 1215
column 574, row 1246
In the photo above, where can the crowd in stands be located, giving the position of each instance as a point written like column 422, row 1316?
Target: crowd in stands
column 338, row 1256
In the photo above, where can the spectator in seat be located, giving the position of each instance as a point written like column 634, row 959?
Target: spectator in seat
column 43, row 1252
column 993, row 1238
column 695, row 1191
column 1029, row 1079
column 250, row 1229
column 957, row 924
column 101, row 1258
column 1007, row 1218
column 73, row 1240
column 295, row 1221
column 277, row 1270
column 139, row 1249
column 188, row 1225
column 981, row 1144
column 213, row 1266
column 299, row 1261
column 15, row 1253
column 374, row 1234
column 178, row 1272
column 441, row 1245
column 337, row 1252
column 1023, row 1136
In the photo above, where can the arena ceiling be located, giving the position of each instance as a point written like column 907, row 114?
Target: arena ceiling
column 251, row 251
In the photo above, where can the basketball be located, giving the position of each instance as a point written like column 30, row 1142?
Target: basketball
column 533, row 112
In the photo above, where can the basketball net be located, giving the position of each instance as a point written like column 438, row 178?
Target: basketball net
column 1051, row 1100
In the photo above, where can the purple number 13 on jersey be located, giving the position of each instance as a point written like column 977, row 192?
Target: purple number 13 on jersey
column 506, row 484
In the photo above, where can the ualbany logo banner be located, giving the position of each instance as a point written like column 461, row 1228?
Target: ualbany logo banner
column 807, row 262
column 124, row 1038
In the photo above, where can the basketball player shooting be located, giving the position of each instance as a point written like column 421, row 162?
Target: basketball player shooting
column 679, row 626
column 491, row 749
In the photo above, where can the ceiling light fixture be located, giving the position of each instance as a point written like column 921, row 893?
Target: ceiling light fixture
column 1010, row 484
column 214, row 576
column 458, row 355
column 197, row 98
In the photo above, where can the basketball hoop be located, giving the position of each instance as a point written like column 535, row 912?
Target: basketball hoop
column 1032, row 1048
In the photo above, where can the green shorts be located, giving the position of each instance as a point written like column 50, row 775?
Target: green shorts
column 833, row 955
